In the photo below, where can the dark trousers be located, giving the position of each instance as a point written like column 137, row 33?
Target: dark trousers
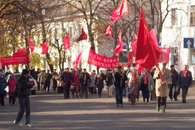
column 12, row 100
column 145, row 93
column 24, row 104
column 174, row 91
column 161, row 102
column 100, row 91
column 84, row 91
column 119, row 95
column 184, row 94
column 2, row 100
column 47, row 87
column 66, row 91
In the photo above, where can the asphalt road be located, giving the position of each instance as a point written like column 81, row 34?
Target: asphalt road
column 52, row 112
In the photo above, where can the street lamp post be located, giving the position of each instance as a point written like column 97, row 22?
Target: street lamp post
column 189, row 13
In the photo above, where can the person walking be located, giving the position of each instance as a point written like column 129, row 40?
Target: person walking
column 163, row 78
column 23, row 87
column 185, row 81
column 133, row 89
column 92, row 88
column 84, row 81
column 99, row 81
column 118, row 87
column 146, row 85
column 109, row 82
column 174, row 84
column 2, row 89
column 67, row 79
column 12, row 87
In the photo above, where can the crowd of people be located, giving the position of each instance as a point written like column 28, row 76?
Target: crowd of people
column 157, row 84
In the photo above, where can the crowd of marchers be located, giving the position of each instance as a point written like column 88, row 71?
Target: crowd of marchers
column 157, row 84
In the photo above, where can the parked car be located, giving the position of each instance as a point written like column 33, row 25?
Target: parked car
column 17, row 76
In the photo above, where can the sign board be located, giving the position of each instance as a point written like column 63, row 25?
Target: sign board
column 188, row 41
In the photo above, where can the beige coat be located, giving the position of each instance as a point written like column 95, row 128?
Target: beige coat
column 162, row 83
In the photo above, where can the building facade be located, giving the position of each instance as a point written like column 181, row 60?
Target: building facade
column 179, row 31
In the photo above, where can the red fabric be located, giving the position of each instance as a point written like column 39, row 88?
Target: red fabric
column 44, row 48
column 164, row 55
column 147, row 52
column 119, row 11
column 139, row 68
column 108, row 30
column 145, row 79
column 76, row 82
column 31, row 45
column 134, row 44
column 19, row 57
column 83, row 35
column 78, row 59
column 120, row 44
column 185, row 73
column 12, row 86
column 106, row 62
column 20, row 52
column 66, row 41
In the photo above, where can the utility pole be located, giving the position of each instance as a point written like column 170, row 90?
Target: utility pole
column 189, row 13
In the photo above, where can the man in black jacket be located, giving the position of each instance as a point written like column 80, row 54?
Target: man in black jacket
column 23, row 91
column 118, row 87
column 185, row 81
column 174, row 85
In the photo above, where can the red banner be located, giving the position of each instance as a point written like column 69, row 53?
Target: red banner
column 19, row 57
column 10, row 60
column 106, row 62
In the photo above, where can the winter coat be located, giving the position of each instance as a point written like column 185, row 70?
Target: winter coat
column 109, row 79
column 2, row 86
column 99, row 81
column 12, row 86
column 150, row 82
column 133, row 83
column 185, row 82
column 23, row 87
column 162, row 83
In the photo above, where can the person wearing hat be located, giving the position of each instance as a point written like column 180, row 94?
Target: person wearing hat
column 2, row 89
column 185, row 81
column 23, row 87
column 163, row 78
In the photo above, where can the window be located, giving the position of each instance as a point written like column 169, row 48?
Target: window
column 192, row 16
column 173, row 17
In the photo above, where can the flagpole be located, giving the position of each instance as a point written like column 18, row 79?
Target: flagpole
column 189, row 12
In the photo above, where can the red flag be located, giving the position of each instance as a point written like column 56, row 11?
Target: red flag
column 108, row 30
column 134, row 44
column 83, row 35
column 66, row 41
column 119, row 11
column 78, row 59
column 120, row 44
column 31, row 45
column 44, row 48
column 139, row 68
column 147, row 52
column 153, row 36
column 20, row 52
column 164, row 56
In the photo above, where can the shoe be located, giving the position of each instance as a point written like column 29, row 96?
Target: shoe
column 18, row 124
column 117, row 105
column 28, row 125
